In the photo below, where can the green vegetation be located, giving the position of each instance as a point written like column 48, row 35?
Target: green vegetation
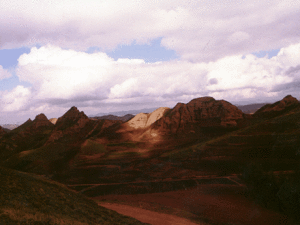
column 29, row 199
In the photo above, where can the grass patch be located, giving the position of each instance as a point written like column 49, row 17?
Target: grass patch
column 29, row 199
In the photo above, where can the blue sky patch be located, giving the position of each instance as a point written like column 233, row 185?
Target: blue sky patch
column 270, row 53
column 9, row 57
column 150, row 53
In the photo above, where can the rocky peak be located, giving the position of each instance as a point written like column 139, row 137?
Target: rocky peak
column 72, row 114
column 40, row 117
column 271, row 110
column 71, row 117
column 200, row 112
column 289, row 100
column 41, row 120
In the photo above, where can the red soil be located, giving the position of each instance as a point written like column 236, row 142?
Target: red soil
column 147, row 216
column 214, row 203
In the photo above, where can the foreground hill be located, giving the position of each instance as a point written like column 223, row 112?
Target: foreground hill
column 28, row 199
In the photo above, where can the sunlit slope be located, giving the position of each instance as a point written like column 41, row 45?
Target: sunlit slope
column 28, row 199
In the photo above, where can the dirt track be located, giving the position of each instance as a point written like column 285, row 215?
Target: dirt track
column 147, row 216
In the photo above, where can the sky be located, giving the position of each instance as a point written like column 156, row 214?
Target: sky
column 117, row 55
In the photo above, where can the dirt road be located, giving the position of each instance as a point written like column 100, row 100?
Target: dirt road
column 147, row 216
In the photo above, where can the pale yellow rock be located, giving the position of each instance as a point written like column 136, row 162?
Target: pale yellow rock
column 143, row 120
column 53, row 120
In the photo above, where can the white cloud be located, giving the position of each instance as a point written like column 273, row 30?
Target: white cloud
column 196, row 30
column 16, row 99
column 4, row 73
column 62, row 78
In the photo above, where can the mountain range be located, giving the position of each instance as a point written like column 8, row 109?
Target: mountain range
column 203, row 137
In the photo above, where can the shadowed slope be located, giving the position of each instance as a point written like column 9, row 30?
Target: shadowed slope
column 2, row 131
column 30, row 135
column 28, row 199
column 278, row 108
column 275, row 142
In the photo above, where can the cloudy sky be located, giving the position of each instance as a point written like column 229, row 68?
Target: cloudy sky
column 114, row 55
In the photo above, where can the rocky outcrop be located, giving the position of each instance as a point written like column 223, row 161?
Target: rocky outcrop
column 73, row 125
column 203, row 112
column 271, row 110
column 71, row 117
column 143, row 120
column 53, row 120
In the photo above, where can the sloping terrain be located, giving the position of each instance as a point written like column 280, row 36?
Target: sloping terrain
column 184, row 141
column 274, row 141
column 28, row 199
column 168, row 149
column 30, row 135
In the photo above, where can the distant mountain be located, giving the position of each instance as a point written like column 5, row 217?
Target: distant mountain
column 251, row 108
column 112, row 117
column 122, row 113
column 9, row 126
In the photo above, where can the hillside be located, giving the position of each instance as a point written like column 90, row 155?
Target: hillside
column 273, row 141
column 204, row 136
column 205, row 141
column 28, row 199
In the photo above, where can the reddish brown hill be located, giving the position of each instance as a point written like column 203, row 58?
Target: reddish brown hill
column 30, row 135
column 72, row 125
column 41, row 120
column 203, row 112
column 271, row 110
column 2, row 132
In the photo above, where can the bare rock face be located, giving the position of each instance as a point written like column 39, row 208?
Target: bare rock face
column 143, row 120
column 200, row 112
column 53, row 120
column 271, row 110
